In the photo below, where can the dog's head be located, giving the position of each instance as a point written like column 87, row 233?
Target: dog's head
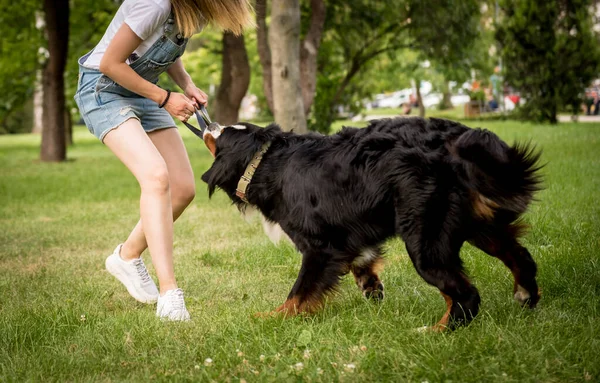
column 233, row 147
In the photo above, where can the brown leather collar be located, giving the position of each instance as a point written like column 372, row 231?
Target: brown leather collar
column 244, row 182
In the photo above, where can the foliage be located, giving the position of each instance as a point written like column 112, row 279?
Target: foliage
column 19, row 58
column 476, row 95
column 551, row 53
column 63, row 318
column 357, row 33
column 202, row 61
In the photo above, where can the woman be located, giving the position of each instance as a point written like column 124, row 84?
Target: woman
column 121, row 104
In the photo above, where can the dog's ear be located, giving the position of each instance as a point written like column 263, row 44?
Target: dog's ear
column 209, row 179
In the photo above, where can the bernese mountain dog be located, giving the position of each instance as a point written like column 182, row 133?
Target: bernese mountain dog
column 433, row 182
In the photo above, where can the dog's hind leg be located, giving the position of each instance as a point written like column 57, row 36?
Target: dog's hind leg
column 502, row 242
column 366, row 269
column 439, row 265
column 320, row 273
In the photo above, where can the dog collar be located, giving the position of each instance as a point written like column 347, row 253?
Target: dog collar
column 249, row 172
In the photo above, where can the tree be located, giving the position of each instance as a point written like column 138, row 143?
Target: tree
column 19, row 59
column 550, row 53
column 264, row 51
column 235, row 78
column 309, row 50
column 284, row 39
column 57, row 28
column 312, row 20
column 359, row 32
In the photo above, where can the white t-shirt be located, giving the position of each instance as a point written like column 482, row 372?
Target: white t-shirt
column 146, row 18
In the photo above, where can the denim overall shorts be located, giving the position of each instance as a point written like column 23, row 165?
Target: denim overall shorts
column 105, row 105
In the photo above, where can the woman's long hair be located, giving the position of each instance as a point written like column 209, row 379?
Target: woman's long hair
column 229, row 15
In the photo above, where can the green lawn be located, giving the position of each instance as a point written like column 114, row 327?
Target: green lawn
column 64, row 318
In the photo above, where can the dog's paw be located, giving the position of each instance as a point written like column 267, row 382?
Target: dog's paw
column 280, row 312
column 524, row 297
column 374, row 292
column 435, row 328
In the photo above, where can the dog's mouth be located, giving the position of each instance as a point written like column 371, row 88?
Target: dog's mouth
column 213, row 130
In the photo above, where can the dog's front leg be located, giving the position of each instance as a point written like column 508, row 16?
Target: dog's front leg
column 318, row 275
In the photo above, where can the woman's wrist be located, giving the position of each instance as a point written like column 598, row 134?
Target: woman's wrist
column 189, row 85
column 159, row 95
column 164, row 102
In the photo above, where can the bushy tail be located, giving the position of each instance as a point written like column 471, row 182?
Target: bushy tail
column 499, row 176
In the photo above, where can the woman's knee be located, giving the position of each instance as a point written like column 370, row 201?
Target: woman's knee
column 156, row 179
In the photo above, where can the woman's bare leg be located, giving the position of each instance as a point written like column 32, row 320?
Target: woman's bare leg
column 135, row 149
column 181, row 181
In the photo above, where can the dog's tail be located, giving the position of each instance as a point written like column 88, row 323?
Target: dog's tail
column 500, row 177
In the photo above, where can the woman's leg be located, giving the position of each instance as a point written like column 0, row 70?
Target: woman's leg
column 133, row 147
column 181, row 181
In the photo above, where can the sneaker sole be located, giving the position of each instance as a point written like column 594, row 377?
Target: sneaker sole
column 116, row 272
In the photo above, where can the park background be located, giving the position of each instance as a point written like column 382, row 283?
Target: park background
column 65, row 201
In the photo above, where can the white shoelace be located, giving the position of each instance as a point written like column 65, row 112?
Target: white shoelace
column 177, row 300
column 141, row 270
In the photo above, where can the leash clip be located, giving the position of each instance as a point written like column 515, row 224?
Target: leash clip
column 203, row 120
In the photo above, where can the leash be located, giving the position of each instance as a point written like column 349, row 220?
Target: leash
column 203, row 120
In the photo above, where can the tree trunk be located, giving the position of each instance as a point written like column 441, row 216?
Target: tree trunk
column 57, row 27
column 235, row 78
column 284, row 37
column 417, row 85
column 38, row 105
column 68, row 128
column 309, row 51
column 447, row 97
column 38, row 93
column 264, row 51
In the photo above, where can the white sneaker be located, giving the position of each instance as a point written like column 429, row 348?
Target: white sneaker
column 172, row 307
column 134, row 275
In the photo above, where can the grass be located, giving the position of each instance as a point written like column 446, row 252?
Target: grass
column 64, row 318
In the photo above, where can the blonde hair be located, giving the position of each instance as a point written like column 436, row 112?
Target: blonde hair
column 229, row 15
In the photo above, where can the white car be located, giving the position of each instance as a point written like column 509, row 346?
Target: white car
column 395, row 100
column 432, row 99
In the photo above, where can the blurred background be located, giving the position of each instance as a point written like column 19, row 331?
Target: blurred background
column 356, row 59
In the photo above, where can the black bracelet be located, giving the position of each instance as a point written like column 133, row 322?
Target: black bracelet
column 166, row 99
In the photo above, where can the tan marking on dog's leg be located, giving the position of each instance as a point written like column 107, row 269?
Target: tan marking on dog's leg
column 442, row 325
column 362, row 275
column 293, row 306
column 378, row 266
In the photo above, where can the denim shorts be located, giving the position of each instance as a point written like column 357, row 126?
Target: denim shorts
column 104, row 111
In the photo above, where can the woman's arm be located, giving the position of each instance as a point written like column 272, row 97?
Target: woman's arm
column 178, row 74
column 113, row 64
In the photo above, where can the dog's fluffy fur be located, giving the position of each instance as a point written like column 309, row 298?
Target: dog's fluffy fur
column 435, row 183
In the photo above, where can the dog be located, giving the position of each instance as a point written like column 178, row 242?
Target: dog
column 433, row 182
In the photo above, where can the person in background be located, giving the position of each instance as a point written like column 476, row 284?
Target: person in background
column 496, row 89
column 592, row 99
column 123, row 107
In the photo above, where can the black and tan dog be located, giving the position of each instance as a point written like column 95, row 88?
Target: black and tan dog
column 435, row 183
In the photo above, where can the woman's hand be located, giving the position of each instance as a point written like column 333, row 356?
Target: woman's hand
column 196, row 95
column 180, row 106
